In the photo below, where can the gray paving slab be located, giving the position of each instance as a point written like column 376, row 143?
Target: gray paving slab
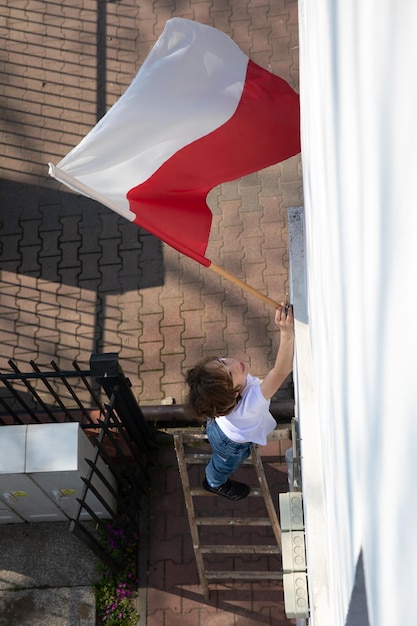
column 46, row 576
column 66, row 606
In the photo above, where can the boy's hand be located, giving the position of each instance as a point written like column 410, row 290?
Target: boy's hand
column 284, row 318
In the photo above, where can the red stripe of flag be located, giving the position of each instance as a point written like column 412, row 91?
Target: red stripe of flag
column 264, row 130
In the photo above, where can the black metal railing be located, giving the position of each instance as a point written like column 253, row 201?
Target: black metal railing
column 123, row 429
column 122, row 438
column 29, row 397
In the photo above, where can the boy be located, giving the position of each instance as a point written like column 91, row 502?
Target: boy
column 236, row 407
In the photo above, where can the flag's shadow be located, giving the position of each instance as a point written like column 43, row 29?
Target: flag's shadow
column 51, row 236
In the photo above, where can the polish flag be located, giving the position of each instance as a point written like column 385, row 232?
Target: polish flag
column 198, row 113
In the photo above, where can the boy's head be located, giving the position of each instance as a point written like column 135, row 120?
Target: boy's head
column 212, row 391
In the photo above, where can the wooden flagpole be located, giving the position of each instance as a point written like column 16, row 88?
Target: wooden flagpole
column 242, row 285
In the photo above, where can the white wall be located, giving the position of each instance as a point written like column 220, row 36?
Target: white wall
column 358, row 92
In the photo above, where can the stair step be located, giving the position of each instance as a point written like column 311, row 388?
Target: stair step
column 243, row 549
column 243, row 575
column 203, row 459
column 200, row 491
column 233, row 521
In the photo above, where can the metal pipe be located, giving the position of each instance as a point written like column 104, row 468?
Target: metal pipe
column 175, row 415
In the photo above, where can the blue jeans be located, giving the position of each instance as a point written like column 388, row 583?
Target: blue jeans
column 226, row 457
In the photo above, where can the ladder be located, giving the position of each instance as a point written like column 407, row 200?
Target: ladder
column 193, row 437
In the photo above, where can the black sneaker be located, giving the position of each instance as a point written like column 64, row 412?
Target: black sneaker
column 231, row 489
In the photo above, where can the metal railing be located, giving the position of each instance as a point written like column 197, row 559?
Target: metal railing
column 117, row 427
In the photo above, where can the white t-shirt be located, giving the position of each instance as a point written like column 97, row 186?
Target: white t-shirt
column 250, row 420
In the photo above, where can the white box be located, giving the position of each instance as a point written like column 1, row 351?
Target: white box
column 27, row 500
column 41, row 466
column 21, row 500
column 296, row 595
column 12, row 449
column 293, row 551
column 291, row 511
column 55, row 460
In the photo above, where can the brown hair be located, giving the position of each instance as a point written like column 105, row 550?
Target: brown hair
column 211, row 391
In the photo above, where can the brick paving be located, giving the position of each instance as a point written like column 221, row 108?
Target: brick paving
column 76, row 278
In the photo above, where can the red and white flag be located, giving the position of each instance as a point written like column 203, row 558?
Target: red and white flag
column 198, row 113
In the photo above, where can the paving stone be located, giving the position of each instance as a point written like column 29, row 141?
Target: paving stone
column 156, row 619
column 38, row 607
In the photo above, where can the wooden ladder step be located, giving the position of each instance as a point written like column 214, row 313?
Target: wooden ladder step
column 200, row 491
column 243, row 575
column 197, row 459
column 203, row 459
column 232, row 521
column 236, row 549
column 193, row 435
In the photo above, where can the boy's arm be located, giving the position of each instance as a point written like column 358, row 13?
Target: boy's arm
column 284, row 360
